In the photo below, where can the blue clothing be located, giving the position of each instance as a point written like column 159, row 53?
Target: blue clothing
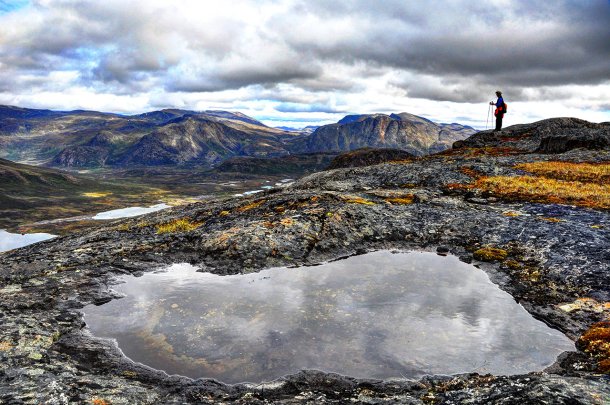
column 500, row 102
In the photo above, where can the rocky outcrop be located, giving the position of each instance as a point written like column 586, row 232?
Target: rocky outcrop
column 81, row 156
column 368, row 157
column 292, row 165
column 554, row 135
column 408, row 132
column 552, row 258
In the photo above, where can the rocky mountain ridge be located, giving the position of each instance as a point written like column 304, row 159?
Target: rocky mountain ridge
column 408, row 132
column 88, row 139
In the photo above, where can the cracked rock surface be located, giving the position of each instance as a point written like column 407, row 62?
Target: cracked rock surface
column 557, row 269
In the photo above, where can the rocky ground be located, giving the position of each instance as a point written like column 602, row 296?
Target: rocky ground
column 551, row 256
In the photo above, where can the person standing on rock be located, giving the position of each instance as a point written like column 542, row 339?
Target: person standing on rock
column 500, row 110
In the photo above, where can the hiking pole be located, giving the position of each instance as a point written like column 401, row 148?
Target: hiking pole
column 488, row 112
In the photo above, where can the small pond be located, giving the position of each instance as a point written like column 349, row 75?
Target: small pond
column 379, row 315
column 129, row 212
column 9, row 241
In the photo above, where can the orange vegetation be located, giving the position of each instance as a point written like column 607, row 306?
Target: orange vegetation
column 585, row 172
column 401, row 199
column 358, row 200
column 544, row 190
column 597, row 342
column 250, row 206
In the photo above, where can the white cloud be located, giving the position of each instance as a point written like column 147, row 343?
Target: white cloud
column 277, row 59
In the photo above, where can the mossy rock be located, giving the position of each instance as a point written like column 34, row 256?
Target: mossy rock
column 490, row 254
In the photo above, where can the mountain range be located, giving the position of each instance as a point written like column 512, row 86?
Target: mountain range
column 174, row 137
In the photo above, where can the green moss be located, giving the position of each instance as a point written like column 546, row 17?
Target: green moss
column 177, row 225
column 490, row 254
column 513, row 264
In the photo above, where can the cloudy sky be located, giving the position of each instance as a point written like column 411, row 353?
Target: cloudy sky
column 297, row 63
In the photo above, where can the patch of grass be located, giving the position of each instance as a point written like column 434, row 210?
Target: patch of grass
column 408, row 185
column 97, row 194
column 400, row 161
column 550, row 219
column 401, row 199
column 123, row 227
column 130, row 374
column 490, row 254
column 177, row 225
column 596, row 341
column 584, row 172
column 287, row 222
column 470, row 172
column 250, row 206
column 544, row 190
column 358, row 200
column 484, row 151
column 5, row 346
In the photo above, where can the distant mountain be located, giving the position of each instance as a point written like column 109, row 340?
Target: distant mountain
column 236, row 116
column 306, row 130
column 405, row 131
column 163, row 116
column 198, row 140
column 93, row 139
column 170, row 136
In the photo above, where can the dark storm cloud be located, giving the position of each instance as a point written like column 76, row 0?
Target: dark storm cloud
column 279, row 72
column 449, row 51
column 519, row 45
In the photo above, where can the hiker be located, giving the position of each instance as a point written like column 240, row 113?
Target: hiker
column 500, row 110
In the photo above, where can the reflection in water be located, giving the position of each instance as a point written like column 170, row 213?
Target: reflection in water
column 378, row 315
column 129, row 212
column 10, row 241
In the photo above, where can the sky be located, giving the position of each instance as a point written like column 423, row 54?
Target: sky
column 310, row 62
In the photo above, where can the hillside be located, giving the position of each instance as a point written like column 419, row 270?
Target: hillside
column 30, row 193
column 534, row 220
column 408, row 132
column 174, row 137
column 92, row 139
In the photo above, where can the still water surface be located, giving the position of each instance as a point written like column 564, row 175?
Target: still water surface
column 10, row 240
column 129, row 212
column 379, row 315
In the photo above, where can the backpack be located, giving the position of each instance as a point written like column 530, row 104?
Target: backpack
column 505, row 108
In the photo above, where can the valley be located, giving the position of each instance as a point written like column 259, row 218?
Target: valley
column 61, row 167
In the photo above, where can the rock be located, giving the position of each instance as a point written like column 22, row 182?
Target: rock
column 367, row 157
column 552, row 268
column 553, row 135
